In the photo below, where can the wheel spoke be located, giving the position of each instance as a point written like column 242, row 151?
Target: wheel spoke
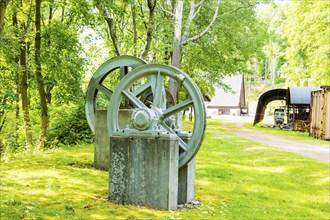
column 183, row 145
column 133, row 99
column 123, row 71
column 176, row 108
column 152, row 80
column 159, row 89
column 104, row 90
column 141, row 89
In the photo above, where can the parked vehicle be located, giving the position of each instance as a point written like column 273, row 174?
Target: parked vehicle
column 279, row 116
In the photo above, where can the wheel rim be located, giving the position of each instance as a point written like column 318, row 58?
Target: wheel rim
column 95, row 85
column 158, row 72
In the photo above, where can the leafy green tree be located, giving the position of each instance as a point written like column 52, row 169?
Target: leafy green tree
column 43, row 62
column 307, row 31
column 273, row 16
column 3, row 7
column 186, row 34
column 236, row 37
column 41, row 65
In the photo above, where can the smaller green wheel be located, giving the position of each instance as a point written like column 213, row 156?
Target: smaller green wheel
column 97, row 84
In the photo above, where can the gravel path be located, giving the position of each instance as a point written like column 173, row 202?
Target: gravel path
column 317, row 152
column 321, row 153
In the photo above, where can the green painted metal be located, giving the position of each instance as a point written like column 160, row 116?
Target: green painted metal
column 95, row 84
column 142, row 118
column 157, row 116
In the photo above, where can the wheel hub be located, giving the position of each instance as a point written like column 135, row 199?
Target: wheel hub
column 142, row 118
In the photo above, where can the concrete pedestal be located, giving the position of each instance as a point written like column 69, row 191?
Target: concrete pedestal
column 186, row 190
column 102, row 140
column 144, row 171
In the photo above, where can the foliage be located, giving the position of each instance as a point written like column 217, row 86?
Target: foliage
column 235, row 179
column 298, row 48
column 69, row 126
column 233, row 39
column 62, row 68
column 218, row 38
column 231, row 43
column 308, row 34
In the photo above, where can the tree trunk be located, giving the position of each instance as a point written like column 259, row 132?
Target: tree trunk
column 2, row 112
column 151, row 6
column 3, row 6
column 112, row 29
column 25, row 99
column 18, row 87
column 133, row 9
column 17, row 105
column 177, row 50
column 176, row 56
column 41, row 89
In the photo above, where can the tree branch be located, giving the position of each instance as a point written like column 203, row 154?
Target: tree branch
column 241, row 7
column 215, row 16
column 151, row 6
column 206, row 30
column 111, row 27
column 133, row 11
column 142, row 15
column 198, row 6
column 164, row 10
column 192, row 15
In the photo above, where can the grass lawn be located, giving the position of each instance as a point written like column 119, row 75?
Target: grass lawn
column 235, row 179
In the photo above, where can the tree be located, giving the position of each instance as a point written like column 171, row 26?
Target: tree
column 43, row 62
column 235, row 38
column 115, row 17
column 274, row 50
column 40, row 57
column 192, row 25
column 3, row 7
column 307, row 32
column 39, row 77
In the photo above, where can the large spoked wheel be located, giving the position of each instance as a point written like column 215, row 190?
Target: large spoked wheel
column 157, row 115
column 100, row 86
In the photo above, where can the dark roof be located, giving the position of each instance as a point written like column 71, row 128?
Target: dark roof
column 264, row 99
column 299, row 95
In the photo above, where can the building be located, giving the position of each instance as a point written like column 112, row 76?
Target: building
column 229, row 102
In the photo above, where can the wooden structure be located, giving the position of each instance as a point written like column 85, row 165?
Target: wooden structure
column 264, row 99
column 298, row 101
column 320, row 113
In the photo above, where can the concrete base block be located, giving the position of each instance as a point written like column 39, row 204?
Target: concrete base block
column 102, row 140
column 144, row 172
column 186, row 190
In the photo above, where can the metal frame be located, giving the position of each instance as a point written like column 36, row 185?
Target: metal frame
column 160, row 112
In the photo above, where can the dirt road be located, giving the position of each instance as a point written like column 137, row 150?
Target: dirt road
column 321, row 153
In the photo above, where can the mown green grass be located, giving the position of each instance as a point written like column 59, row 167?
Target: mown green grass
column 235, row 179
column 292, row 135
